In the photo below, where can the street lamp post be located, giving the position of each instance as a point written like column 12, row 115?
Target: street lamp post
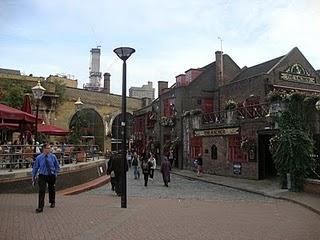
column 78, row 106
column 37, row 92
column 124, row 53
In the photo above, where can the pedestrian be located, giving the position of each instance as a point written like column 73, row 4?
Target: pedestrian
column 199, row 163
column 129, row 158
column 146, row 170
column 153, row 165
column 46, row 169
column 116, row 167
column 135, row 165
column 171, row 157
column 112, row 174
column 165, row 170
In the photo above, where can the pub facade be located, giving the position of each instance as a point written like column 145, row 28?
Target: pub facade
column 224, row 112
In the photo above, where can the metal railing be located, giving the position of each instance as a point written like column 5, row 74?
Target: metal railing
column 23, row 156
column 240, row 113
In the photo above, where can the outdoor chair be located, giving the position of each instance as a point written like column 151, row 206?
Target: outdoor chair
column 68, row 154
column 27, row 157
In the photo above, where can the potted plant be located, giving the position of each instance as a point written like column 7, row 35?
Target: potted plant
column 248, row 144
column 231, row 105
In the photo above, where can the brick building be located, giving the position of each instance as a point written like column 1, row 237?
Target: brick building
column 215, row 109
column 102, row 110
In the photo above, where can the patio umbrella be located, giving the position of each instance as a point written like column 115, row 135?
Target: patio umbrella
column 52, row 130
column 26, row 106
column 12, row 115
column 26, row 127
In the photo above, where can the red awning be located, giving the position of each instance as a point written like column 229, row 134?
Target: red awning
column 9, row 114
column 11, row 126
column 52, row 130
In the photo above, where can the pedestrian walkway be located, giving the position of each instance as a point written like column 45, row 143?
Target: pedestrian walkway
column 267, row 187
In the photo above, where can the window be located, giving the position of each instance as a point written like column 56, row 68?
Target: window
column 235, row 152
column 214, row 152
column 196, row 146
column 207, row 105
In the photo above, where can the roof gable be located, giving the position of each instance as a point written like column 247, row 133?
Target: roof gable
column 259, row 69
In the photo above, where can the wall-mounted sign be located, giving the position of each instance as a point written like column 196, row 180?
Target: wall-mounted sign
column 296, row 72
column 216, row 132
column 237, row 168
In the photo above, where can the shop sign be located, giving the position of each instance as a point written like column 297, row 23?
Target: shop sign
column 297, row 72
column 216, row 132
column 296, row 77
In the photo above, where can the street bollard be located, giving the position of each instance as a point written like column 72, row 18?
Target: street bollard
column 289, row 181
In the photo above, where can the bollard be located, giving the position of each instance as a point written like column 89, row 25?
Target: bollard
column 289, row 181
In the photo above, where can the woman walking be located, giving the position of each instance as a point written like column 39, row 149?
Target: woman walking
column 135, row 165
column 153, row 165
column 165, row 170
column 146, row 170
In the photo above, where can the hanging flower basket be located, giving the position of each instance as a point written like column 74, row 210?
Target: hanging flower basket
column 247, row 144
column 230, row 105
column 195, row 111
column 167, row 122
column 276, row 96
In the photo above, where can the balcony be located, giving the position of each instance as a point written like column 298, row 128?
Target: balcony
column 256, row 111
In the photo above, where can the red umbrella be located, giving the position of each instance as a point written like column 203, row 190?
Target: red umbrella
column 52, row 130
column 12, row 115
column 26, row 106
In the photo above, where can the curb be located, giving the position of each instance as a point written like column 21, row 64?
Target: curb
column 98, row 182
column 252, row 191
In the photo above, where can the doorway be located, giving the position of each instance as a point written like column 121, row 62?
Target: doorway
column 266, row 165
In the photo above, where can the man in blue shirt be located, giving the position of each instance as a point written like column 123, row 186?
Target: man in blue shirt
column 46, row 168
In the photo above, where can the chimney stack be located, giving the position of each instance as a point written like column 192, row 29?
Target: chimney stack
column 161, row 86
column 106, row 79
column 219, row 68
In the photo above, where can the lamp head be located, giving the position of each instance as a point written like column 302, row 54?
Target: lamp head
column 38, row 91
column 124, row 52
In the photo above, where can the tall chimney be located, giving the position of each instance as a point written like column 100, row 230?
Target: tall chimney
column 161, row 86
column 219, row 68
column 106, row 80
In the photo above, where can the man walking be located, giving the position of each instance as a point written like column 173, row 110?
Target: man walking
column 46, row 169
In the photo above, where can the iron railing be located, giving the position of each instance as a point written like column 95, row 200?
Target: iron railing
column 23, row 156
column 240, row 113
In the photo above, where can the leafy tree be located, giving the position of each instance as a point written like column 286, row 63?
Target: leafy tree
column 13, row 97
column 293, row 145
column 60, row 90
column 77, row 128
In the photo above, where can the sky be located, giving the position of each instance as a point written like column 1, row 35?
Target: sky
column 170, row 36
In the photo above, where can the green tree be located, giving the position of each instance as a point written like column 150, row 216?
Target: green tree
column 293, row 145
column 14, row 95
column 77, row 128
column 60, row 90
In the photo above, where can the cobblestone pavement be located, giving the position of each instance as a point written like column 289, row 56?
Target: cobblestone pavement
column 181, row 188
column 186, row 210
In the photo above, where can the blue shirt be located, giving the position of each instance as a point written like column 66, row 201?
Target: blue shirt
column 40, row 167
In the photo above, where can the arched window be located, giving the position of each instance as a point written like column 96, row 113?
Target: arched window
column 214, row 152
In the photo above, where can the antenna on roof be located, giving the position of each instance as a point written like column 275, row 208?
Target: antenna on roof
column 220, row 43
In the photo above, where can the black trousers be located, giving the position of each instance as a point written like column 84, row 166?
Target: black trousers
column 146, row 176
column 43, row 181
column 118, row 182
